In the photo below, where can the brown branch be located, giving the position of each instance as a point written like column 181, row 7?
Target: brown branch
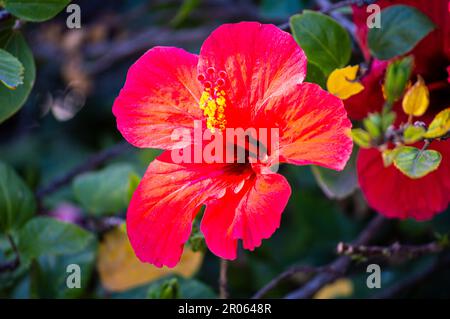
column 91, row 163
column 223, row 284
column 325, row 274
column 142, row 41
column 396, row 249
column 289, row 273
column 414, row 280
column 15, row 263
column 340, row 265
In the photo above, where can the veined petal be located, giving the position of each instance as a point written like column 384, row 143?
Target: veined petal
column 260, row 60
column 313, row 124
column 160, row 214
column 161, row 93
column 253, row 214
column 393, row 194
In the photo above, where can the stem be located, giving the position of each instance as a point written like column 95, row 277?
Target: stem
column 92, row 163
column 340, row 265
column 396, row 249
column 223, row 285
column 12, row 265
column 289, row 273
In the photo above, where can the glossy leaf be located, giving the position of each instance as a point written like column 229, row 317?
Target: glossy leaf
column 49, row 274
column 106, row 191
column 440, row 124
column 361, row 137
column 325, row 42
column 413, row 134
column 402, row 27
column 416, row 163
column 35, row 10
column 17, row 203
column 315, row 75
column 11, row 70
column 337, row 185
column 396, row 78
column 43, row 236
column 12, row 100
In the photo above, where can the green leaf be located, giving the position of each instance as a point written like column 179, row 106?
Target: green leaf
column 413, row 134
column 389, row 155
column 12, row 100
column 184, row 11
column 315, row 75
column 338, row 185
column 416, row 163
column 397, row 77
column 35, row 10
column 43, row 236
column 49, row 273
column 17, row 203
column 11, row 70
column 402, row 27
column 134, row 181
column 361, row 137
column 106, row 191
column 168, row 289
column 387, row 119
column 372, row 123
column 325, row 42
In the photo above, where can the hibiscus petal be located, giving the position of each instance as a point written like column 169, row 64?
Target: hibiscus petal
column 253, row 214
column 160, row 214
column 260, row 59
column 161, row 93
column 395, row 195
column 313, row 124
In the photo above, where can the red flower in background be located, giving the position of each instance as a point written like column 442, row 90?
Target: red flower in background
column 386, row 189
column 252, row 75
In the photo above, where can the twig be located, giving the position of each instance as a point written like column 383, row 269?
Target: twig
column 414, row 280
column 12, row 265
column 92, row 163
column 223, row 285
column 340, row 265
column 140, row 42
column 396, row 249
column 289, row 273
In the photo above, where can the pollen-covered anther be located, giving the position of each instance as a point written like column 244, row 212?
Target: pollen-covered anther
column 213, row 101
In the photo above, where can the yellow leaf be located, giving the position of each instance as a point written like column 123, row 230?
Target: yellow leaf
column 440, row 124
column 339, row 288
column 120, row 269
column 416, row 99
column 341, row 82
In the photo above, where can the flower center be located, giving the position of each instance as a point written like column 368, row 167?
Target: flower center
column 213, row 100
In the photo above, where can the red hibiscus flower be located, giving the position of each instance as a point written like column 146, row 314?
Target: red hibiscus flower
column 248, row 75
column 386, row 189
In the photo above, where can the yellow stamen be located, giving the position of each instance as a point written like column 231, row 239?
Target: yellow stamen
column 213, row 103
